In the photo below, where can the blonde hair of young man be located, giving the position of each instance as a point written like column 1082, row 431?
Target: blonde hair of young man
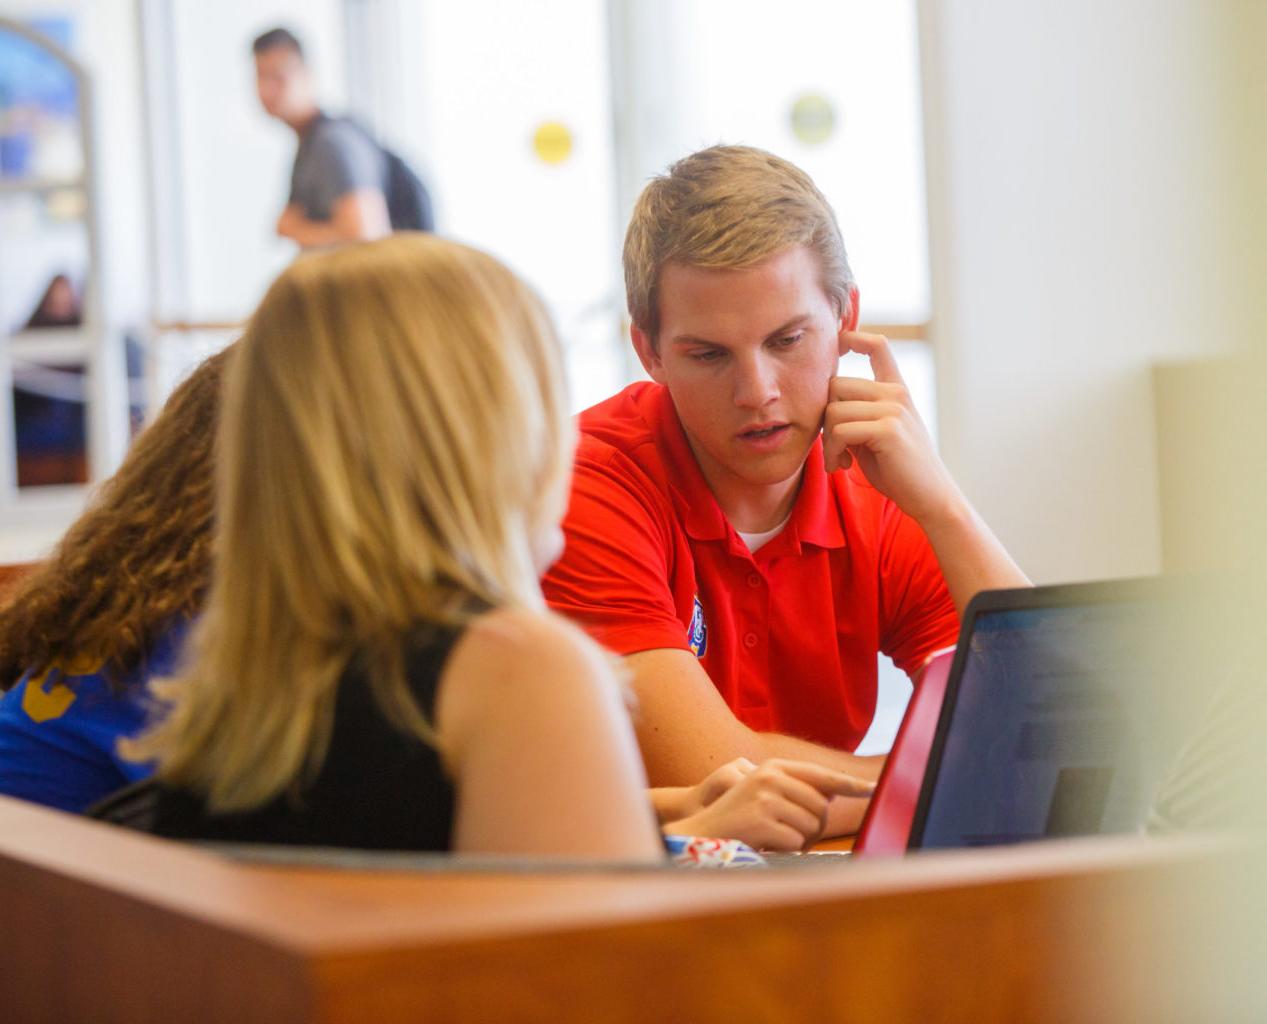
column 395, row 446
column 728, row 207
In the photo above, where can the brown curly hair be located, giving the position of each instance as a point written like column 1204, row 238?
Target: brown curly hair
column 138, row 558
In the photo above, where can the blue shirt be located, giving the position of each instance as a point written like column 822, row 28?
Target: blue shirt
column 59, row 731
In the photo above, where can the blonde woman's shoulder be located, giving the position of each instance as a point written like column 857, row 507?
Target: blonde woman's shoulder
column 514, row 661
column 527, row 626
column 539, row 744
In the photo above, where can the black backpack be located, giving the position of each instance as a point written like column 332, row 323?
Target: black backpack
column 408, row 201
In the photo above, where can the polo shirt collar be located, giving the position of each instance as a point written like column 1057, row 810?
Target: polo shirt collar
column 697, row 508
column 815, row 517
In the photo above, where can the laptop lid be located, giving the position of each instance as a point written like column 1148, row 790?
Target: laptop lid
column 887, row 823
column 1055, row 721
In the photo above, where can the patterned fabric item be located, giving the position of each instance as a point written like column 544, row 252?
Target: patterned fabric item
column 702, row 852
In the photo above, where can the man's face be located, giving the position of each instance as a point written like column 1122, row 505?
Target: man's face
column 281, row 79
column 747, row 356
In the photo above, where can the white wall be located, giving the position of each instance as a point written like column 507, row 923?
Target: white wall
column 477, row 79
column 1081, row 228
column 233, row 160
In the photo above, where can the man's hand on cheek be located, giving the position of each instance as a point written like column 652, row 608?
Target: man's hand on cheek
column 875, row 422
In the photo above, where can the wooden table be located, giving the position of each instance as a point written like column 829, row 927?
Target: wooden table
column 99, row 924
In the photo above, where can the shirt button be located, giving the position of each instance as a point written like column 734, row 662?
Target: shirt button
column 754, row 579
column 750, row 640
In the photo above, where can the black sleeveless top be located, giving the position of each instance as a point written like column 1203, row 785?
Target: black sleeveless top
column 378, row 788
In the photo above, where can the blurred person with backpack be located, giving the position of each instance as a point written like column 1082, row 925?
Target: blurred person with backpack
column 344, row 187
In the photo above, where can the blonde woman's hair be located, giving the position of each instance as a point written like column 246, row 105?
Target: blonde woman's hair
column 395, row 438
column 728, row 207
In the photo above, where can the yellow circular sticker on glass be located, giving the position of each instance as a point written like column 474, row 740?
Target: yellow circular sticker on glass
column 552, row 142
column 813, row 118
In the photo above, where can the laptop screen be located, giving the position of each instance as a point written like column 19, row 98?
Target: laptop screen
column 1056, row 720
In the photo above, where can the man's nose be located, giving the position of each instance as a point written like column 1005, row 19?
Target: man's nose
column 756, row 383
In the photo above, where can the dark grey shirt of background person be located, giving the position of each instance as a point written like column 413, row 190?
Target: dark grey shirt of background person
column 335, row 157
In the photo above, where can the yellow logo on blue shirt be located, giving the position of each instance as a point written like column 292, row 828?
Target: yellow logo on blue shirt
column 697, row 635
column 44, row 705
column 47, row 698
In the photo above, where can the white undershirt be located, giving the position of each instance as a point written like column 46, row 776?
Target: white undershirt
column 756, row 540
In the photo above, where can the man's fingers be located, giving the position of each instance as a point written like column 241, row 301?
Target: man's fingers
column 876, row 348
column 778, row 836
column 807, row 823
column 860, row 433
column 828, row 780
column 840, row 412
column 721, row 780
column 833, row 461
column 801, row 793
column 838, row 438
column 737, row 768
column 855, row 399
column 852, row 785
column 860, row 389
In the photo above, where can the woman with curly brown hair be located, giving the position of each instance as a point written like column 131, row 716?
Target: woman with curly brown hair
column 81, row 636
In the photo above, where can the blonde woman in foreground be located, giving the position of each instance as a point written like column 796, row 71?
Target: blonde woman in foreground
column 375, row 667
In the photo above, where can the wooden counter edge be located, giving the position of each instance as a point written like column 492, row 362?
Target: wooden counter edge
column 140, row 914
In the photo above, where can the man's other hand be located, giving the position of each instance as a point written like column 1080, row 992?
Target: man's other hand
column 875, row 422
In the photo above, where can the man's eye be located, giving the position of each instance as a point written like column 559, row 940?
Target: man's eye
column 790, row 340
column 707, row 355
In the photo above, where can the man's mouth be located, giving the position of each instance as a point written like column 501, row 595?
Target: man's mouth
column 759, row 433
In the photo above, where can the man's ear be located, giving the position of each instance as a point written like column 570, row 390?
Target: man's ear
column 849, row 318
column 648, row 354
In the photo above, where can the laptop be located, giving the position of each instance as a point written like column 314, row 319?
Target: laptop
column 1062, row 713
column 1048, row 718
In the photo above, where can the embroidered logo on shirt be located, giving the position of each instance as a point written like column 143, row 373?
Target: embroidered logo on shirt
column 697, row 635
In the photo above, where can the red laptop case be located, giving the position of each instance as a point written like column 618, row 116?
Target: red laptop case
column 888, row 821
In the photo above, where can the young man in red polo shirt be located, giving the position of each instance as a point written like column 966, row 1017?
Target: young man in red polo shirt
column 749, row 529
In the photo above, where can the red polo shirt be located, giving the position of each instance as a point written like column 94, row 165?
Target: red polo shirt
column 788, row 635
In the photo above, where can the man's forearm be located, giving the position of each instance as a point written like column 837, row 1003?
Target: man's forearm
column 777, row 745
column 970, row 556
column 358, row 216
column 311, row 233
